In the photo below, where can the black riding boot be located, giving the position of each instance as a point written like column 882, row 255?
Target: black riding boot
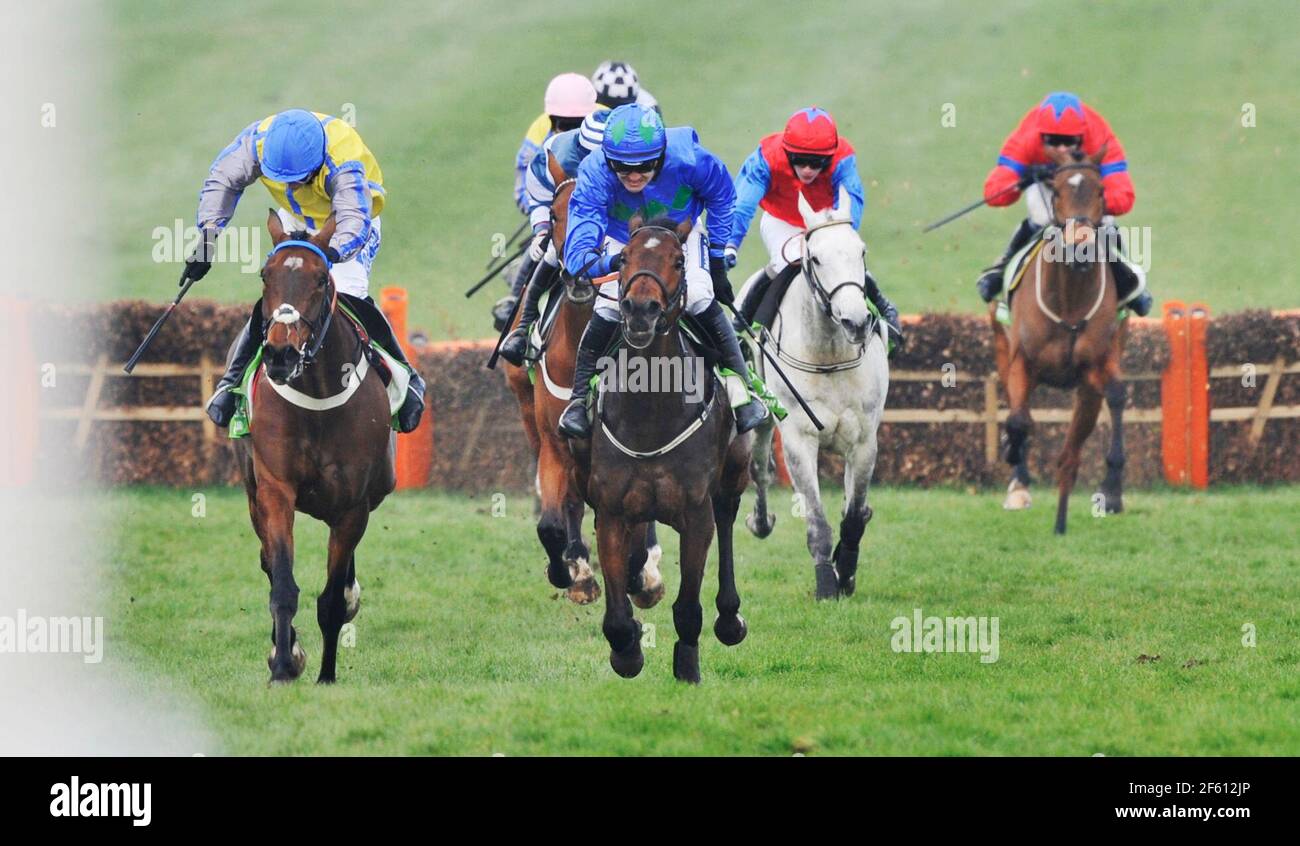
column 595, row 341
column 748, row 307
column 990, row 284
column 223, row 404
column 377, row 326
column 713, row 320
column 515, row 346
column 1125, row 280
column 887, row 310
column 505, row 306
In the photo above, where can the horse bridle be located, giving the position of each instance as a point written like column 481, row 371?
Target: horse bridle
column 1056, row 221
column 676, row 301
column 287, row 314
column 810, row 263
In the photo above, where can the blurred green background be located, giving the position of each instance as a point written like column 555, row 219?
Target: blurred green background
column 444, row 91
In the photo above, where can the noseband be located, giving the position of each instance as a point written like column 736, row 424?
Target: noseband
column 810, row 263
column 1056, row 221
column 289, row 315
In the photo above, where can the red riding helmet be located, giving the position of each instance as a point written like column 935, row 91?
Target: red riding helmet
column 1061, row 113
column 811, row 131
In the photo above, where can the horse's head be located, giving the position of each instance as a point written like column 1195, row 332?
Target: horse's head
column 1078, row 200
column 579, row 290
column 652, row 279
column 297, row 298
column 834, row 255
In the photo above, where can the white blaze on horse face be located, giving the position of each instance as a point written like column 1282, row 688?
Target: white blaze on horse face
column 292, row 263
column 652, row 243
column 1076, row 180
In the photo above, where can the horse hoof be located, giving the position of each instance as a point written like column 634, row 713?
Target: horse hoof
column 652, row 583
column 686, row 663
column 1018, row 498
column 584, row 592
column 298, row 663
column 558, row 575
column 847, row 586
column 352, row 596
column 1114, row 502
column 628, row 664
column 828, row 583
column 730, row 630
column 760, row 530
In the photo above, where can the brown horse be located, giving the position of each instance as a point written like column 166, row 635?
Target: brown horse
column 1064, row 333
column 666, row 455
column 320, row 441
column 541, row 402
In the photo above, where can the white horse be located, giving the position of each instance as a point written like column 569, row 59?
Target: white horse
column 834, row 352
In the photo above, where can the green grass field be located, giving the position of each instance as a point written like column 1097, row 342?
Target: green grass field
column 463, row 648
column 443, row 92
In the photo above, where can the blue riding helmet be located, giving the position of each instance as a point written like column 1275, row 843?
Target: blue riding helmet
column 294, row 146
column 634, row 133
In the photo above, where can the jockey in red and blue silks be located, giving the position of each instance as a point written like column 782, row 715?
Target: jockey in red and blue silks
column 811, row 158
column 1060, row 120
column 643, row 168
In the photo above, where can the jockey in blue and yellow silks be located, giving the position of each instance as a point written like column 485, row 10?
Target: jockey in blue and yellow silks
column 313, row 165
column 641, row 166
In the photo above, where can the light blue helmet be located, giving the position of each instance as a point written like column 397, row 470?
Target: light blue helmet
column 294, row 146
column 592, row 132
column 634, row 133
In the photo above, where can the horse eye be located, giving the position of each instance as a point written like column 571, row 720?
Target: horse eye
column 323, row 278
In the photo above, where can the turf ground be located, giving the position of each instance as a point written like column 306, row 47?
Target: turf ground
column 443, row 92
column 461, row 646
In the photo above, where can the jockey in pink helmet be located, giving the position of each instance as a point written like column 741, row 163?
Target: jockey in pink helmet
column 1060, row 120
column 569, row 98
column 809, row 157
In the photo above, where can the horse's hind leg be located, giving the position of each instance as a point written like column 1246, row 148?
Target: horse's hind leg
column 858, row 469
column 1087, row 403
column 645, row 584
column 761, row 520
column 274, row 524
column 801, row 457
column 332, row 604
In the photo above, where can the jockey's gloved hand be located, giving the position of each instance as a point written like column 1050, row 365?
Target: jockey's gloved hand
column 729, row 255
column 200, row 261
column 1035, row 173
column 537, row 248
column 721, row 284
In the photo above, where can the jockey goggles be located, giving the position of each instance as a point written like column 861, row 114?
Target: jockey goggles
column 647, row 166
column 809, row 160
column 1062, row 140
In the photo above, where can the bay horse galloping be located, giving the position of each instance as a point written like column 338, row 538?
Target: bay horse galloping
column 320, row 440
column 1064, row 332
column 542, row 399
column 664, row 454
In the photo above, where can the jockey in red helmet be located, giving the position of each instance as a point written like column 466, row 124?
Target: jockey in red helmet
column 811, row 158
column 1060, row 120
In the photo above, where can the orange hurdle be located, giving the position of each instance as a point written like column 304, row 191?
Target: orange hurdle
column 1185, row 396
column 415, row 449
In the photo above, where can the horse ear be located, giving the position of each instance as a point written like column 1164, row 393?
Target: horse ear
column 635, row 222
column 843, row 205
column 684, row 229
column 275, row 227
column 322, row 237
column 1096, row 158
column 806, row 211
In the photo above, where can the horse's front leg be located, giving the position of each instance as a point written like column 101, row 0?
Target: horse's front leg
column 621, row 629
column 1087, row 404
column 332, row 606
column 274, row 523
column 762, row 520
column 1116, row 397
column 800, row 447
column 859, row 466
column 1019, row 385
column 577, row 556
column 645, row 584
column 688, row 616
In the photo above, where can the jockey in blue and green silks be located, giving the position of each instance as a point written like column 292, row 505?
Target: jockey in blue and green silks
column 313, row 165
column 641, row 166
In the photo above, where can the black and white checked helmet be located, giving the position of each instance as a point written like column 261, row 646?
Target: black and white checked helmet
column 616, row 84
